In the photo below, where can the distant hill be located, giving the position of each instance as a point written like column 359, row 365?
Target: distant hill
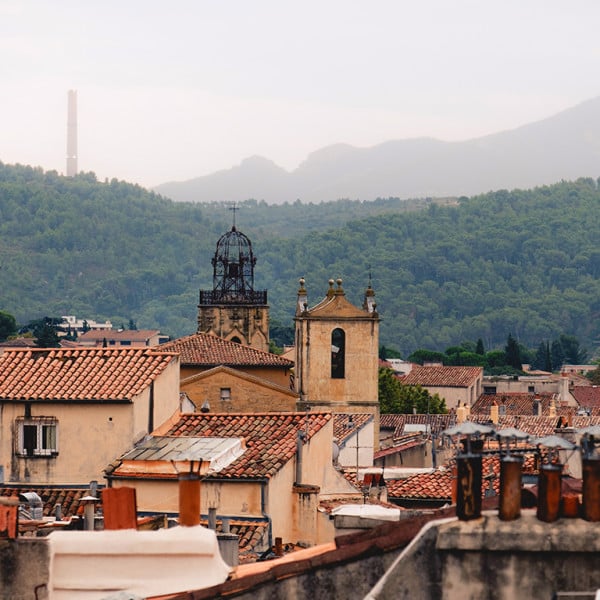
column 565, row 146
column 524, row 262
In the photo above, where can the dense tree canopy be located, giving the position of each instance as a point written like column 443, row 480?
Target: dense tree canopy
column 395, row 397
column 525, row 262
column 8, row 325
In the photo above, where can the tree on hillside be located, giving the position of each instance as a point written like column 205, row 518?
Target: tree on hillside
column 573, row 353
column 594, row 376
column 422, row 356
column 513, row 353
column 45, row 335
column 385, row 353
column 8, row 325
column 397, row 398
column 557, row 355
column 479, row 348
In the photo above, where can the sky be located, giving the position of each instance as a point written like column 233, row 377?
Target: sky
column 169, row 91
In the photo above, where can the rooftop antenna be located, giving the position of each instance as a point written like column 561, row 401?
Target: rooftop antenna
column 72, row 133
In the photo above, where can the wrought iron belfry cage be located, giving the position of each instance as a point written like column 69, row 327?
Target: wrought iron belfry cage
column 233, row 272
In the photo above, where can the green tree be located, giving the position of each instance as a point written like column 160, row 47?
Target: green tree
column 573, row 353
column 397, row 398
column 8, row 325
column 422, row 356
column 513, row 353
column 479, row 348
column 557, row 354
column 45, row 335
column 594, row 376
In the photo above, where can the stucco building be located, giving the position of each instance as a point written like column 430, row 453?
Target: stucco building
column 66, row 413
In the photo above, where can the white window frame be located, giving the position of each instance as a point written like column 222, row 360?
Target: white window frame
column 46, row 434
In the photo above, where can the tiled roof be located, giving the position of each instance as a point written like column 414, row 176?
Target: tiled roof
column 346, row 424
column 514, row 403
column 538, row 426
column 79, row 373
column 390, row 421
column 437, row 423
column 253, row 537
column 336, row 305
column 437, row 485
column 442, row 376
column 205, row 350
column 270, row 438
column 68, row 498
column 587, row 396
column 400, row 445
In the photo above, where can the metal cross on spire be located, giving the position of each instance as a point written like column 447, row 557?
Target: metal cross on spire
column 234, row 208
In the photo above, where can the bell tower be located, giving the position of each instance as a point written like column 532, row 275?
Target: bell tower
column 233, row 309
column 337, row 353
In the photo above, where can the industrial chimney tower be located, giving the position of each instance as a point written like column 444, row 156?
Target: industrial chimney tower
column 72, row 133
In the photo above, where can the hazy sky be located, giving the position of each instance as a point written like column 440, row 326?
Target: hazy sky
column 174, row 90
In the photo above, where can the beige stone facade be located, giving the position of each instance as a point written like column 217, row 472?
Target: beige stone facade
column 337, row 349
column 247, row 325
column 230, row 390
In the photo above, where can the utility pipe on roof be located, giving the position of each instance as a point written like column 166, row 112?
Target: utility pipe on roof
column 299, row 443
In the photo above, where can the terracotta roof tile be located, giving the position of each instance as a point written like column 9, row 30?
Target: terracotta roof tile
column 205, row 350
column 270, row 439
column 514, row 403
column 79, row 373
column 69, row 498
column 442, row 376
column 437, row 485
column 587, row 396
column 346, row 424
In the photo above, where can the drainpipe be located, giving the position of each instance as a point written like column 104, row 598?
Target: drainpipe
column 299, row 444
column 263, row 502
column 151, row 409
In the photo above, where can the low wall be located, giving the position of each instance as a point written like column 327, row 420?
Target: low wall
column 24, row 569
column 495, row 560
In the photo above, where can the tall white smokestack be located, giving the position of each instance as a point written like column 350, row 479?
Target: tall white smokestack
column 72, row 133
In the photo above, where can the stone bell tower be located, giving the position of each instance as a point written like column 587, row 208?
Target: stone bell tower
column 233, row 309
column 337, row 353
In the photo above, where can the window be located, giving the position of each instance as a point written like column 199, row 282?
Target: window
column 37, row 436
column 225, row 394
column 338, row 348
column 489, row 389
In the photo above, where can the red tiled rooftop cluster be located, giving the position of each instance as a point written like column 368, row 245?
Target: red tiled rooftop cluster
column 587, row 396
column 68, row 498
column 442, row 376
column 270, row 438
column 437, row 485
column 79, row 373
column 514, row 403
column 202, row 349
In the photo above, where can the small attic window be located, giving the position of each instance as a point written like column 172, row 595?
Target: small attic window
column 225, row 394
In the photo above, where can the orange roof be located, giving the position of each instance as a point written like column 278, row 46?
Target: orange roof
column 205, row 350
column 270, row 439
column 346, row 424
column 79, row 374
column 437, row 485
column 514, row 403
column 442, row 376
column 587, row 396
column 68, row 497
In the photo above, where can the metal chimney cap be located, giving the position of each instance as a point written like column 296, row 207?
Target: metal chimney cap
column 512, row 432
column 554, row 441
column 468, row 428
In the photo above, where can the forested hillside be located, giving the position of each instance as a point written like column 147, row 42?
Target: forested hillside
column 520, row 262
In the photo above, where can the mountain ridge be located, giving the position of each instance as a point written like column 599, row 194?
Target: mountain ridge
column 563, row 146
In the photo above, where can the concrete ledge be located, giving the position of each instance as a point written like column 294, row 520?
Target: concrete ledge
column 526, row 534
